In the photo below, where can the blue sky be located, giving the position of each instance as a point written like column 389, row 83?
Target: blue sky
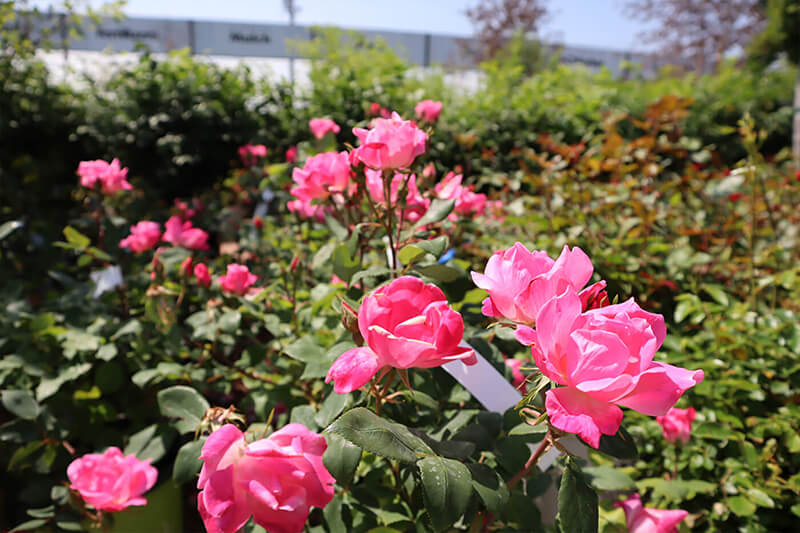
column 598, row 23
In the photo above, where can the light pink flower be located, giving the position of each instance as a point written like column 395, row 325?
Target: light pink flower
column 604, row 359
column 237, row 279
column 428, row 110
column 415, row 206
column 111, row 177
column 321, row 126
column 144, row 236
column 110, row 481
column 275, row 480
column 251, row 154
column 202, row 275
column 323, row 175
column 642, row 520
column 180, row 233
column 305, row 209
column 520, row 282
column 677, row 424
column 390, row 144
column 405, row 324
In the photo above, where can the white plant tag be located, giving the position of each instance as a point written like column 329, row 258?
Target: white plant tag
column 106, row 279
column 496, row 394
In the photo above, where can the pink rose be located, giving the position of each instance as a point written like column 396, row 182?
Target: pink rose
column 468, row 202
column 110, row 481
column 518, row 378
column 391, row 143
column 237, row 280
column 642, row 520
column 187, row 267
column 677, row 424
column 405, row 324
column 520, row 282
column 144, row 236
column 305, row 209
column 323, row 175
column 111, row 177
column 250, row 154
column 291, row 154
column 180, row 233
column 321, row 126
column 428, row 110
column 202, row 275
column 604, row 357
column 275, row 480
column 416, row 205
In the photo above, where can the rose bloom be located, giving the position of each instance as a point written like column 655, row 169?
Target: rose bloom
column 305, row 209
column 518, row 378
column 642, row 520
column 428, row 110
column 180, row 233
column 390, row 144
column 321, row 126
column 110, row 481
column 275, row 480
column 111, row 177
column 237, row 280
column 187, row 267
column 604, row 359
column 416, row 205
column 467, row 201
column 405, row 324
column 677, row 424
column 144, row 236
column 323, row 175
column 291, row 154
column 519, row 282
column 202, row 275
column 250, row 154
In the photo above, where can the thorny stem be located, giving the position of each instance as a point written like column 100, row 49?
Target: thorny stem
column 387, row 195
column 532, row 460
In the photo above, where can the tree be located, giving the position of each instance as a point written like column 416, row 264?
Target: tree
column 782, row 36
column 496, row 21
column 699, row 33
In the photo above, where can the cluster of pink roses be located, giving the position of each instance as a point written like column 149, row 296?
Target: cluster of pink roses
column 110, row 177
column 468, row 202
column 145, row 235
column 601, row 355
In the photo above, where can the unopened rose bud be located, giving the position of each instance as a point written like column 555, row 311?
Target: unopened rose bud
column 186, row 267
column 350, row 322
column 293, row 266
column 258, row 222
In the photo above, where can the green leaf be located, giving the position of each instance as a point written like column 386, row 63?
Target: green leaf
column 152, row 442
column 437, row 212
column 371, row 272
column 741, row 506
column 344, row 264
column 23, row 456
column 714, row 430
column 333, row 405
column 606, row 477
column 187, row 462
column 341, row 458
column 621, row 445
column 317, row 360
column 20, row 403
column 76, row 238
column 676, row 490
column 410, row 254
column 377, row 435
column 490, row 487
column 49, row 386
column 447, row 488
column 435, row 246
column 29, row 525
column 440, row 272
column 229, row 321
column 577, row 502
column 760, row 498
column 683, row 309
column 184, row 403
column 717, row 293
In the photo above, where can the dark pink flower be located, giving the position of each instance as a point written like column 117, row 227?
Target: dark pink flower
column 237, row 280
column 251, row 154
column 180, row 233
column 677, row 424
column 202, row 275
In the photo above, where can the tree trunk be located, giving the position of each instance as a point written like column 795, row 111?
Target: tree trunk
column 796, row 122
